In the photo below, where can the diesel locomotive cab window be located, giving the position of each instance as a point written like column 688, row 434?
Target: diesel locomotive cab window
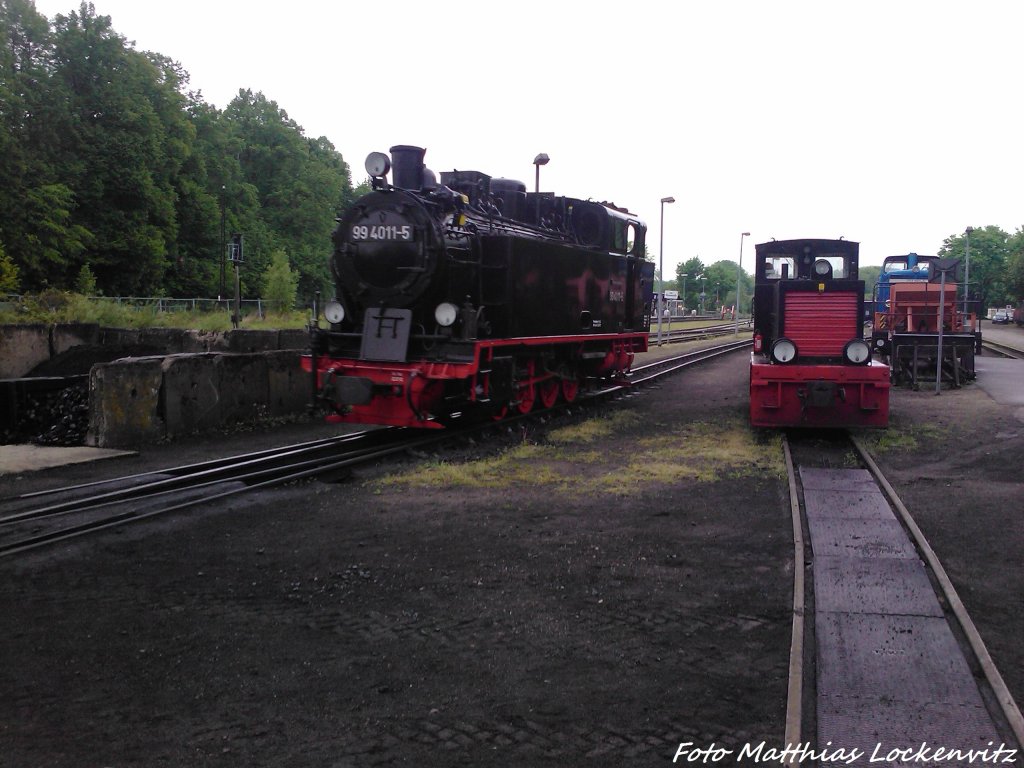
column 779, row 268
column 838, row 264
column 902, row 266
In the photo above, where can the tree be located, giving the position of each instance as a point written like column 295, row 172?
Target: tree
column 34, row 207
column 123, row 141
column 300, row 185
column 9, row 280
column 691, row 268
column 85, row 283
column 870, row 276
column 1015, row 266
column 280, row 283
column 106, row 161
column 990, row 248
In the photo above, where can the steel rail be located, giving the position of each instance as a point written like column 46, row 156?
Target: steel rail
column 693, row 334
column 795, row 688
column 1003, row 696
column 976, row 646
column 190, row 468
column 679, row 362
column 186, row 476
column 1003, row 349
column 268, row 477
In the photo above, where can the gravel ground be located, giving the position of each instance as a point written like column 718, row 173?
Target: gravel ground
column 591, row 600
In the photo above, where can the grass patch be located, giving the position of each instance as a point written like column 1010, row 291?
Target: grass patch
column 594, row 429
column 901, row 438
column 704, row 452
column 61, row 307
column 527, row 463
column 698, row 452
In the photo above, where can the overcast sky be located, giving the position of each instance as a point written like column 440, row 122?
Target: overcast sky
column 893, row 123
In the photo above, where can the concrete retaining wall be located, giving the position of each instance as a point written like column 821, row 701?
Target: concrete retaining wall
column 138, row 400
column 23, row 347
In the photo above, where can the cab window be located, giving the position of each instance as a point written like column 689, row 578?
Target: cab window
column 779, row 267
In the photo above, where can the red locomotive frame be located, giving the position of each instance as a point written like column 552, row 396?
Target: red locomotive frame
column 408, row 394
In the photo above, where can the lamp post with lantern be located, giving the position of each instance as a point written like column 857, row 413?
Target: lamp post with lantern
column 538, row 161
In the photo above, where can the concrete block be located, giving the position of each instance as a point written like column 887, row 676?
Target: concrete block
column 251, row 341
column 140, row 399
column 294, row 338
column 171, row 340
column 22, row 348
column 289, row 387
column 191, row 396
column 204, row 341
column 67, row 335
column 124, row 403
column 244, row 388
column 122, row 337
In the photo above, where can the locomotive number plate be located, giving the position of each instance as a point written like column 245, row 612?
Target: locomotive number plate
column 382, row 232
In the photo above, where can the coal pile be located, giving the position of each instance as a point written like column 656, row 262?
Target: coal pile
column 52, row 418
column 59, row 416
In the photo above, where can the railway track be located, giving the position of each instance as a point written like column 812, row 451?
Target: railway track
column 695, row 334
column 35, row 520
column 1002, row 349
column 879, row 632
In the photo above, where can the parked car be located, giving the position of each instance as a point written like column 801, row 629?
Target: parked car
column 1000, row 318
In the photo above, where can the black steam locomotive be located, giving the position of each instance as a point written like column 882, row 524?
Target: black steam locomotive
column 471, row 294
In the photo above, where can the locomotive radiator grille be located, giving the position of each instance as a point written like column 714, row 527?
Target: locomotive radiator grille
column 820, row 323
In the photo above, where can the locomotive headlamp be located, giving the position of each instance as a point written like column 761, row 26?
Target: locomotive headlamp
column 857, row 352
column 822, row 268
column 334, row 311
column 377, row 164
column 783, row 351
column 445, row 314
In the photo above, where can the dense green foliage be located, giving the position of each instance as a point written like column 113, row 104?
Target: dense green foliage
column 718, row 284
column 108, row 162
column 996, row 264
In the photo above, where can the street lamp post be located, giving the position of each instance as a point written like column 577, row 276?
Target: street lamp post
column 739, row 274
column 661, row 264
column 967, row 266
column 702, row 279
column 538, row 161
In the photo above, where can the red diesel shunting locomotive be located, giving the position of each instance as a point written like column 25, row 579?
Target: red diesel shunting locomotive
column 474, row 296
column 811, row 366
